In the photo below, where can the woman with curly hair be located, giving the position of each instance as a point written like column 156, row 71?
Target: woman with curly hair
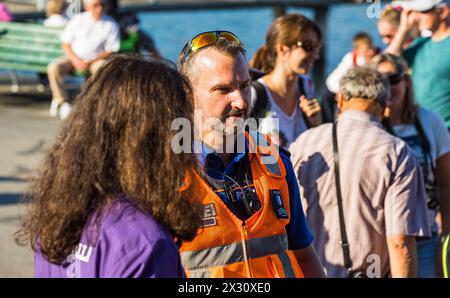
column 106, row 202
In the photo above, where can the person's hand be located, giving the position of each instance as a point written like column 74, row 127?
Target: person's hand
column 80, row 65
column 312, row 111
column 408, row 19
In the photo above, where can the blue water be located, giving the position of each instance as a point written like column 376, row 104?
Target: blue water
column 171, row 30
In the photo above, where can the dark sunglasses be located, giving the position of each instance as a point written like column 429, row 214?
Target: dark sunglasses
column 395, row 78
column 207, row 38
column 390, row 36
column 307, row 45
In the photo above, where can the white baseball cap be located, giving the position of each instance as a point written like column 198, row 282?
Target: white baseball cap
column 421, row 5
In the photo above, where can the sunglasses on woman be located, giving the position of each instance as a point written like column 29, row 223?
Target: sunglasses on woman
column 207, row 38
column 307, row 45
column 395, row 78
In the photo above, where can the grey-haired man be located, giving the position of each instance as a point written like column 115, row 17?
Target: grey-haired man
column 382, row 193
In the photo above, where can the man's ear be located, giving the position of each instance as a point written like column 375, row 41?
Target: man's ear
column 443, row 15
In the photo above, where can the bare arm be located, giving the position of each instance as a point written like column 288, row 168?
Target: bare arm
column 443, row 184
column 103, row 55
column 69, row 52
column 309, row 262
column 407, row 21
column 402, row 255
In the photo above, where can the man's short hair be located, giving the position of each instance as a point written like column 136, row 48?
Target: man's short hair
column 367, row 83
column 223, row 45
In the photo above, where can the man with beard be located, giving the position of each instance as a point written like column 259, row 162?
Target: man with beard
column 253, row 224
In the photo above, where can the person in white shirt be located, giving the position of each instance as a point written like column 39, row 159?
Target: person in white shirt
column 55, row 14
column 88, row 39
column 363, row 51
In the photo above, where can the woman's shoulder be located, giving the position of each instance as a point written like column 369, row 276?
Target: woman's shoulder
column 124, row 220
column 430, row 118
column 435, row 129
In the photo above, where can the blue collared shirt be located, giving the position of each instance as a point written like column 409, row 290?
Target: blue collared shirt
column 299, row 234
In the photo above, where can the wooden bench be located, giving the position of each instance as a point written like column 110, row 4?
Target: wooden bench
column 29, row 47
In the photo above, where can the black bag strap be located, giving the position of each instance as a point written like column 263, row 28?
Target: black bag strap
column 344, row 242
column 425, row 142
column 262, row 99
column 423, row 136
column 426, row 147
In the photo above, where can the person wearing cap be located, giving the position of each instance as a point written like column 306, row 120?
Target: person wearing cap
column 428, row 56
column 253, row 224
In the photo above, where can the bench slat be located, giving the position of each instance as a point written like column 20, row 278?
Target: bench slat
column 30, row 36
column 30, row 28
column 30, row 39
column 27, row 59
column 19, row 66
column 48, row 51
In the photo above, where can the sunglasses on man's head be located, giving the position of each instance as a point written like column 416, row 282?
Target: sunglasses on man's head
column 207, row 38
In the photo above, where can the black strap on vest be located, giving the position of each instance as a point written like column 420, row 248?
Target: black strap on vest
column 344, row 240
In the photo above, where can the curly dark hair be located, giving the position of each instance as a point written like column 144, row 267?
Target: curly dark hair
column 116, row 141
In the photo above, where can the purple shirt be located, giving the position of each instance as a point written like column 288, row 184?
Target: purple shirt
column 125, row 243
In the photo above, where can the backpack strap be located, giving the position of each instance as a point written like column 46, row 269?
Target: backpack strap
column 262, row 100
column 301, row 88
column 425, row 142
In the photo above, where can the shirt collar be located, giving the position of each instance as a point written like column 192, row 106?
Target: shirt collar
column 359, row 116
column 211, row 160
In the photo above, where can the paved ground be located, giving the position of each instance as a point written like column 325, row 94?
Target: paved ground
column 26, row 130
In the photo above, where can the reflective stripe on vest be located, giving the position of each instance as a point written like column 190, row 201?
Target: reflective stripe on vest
column 198, row 262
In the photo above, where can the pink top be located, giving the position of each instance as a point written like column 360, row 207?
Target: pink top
column 5, row 15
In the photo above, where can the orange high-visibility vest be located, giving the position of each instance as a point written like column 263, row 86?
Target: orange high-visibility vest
column 226, row 246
